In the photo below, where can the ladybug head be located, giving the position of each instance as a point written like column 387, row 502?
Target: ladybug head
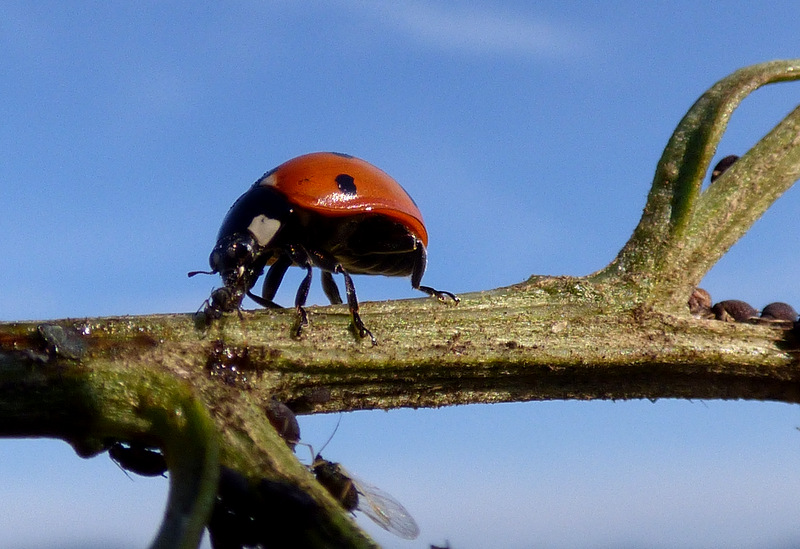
column 234, row 258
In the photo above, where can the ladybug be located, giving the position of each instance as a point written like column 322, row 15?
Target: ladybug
column 327, row 210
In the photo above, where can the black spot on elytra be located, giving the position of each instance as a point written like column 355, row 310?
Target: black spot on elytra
column 346, row 183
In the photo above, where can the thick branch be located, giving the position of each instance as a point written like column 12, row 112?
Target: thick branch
column 540, row 340
column 546, row 339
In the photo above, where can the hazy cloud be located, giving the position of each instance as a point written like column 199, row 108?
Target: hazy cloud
column 476, row 29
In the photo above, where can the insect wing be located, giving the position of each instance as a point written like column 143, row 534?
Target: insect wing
column 384, row 510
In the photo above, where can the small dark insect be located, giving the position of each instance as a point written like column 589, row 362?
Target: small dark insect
column 700, row 303
column 722, row 166
column 221, row 301
column 356, row 495
column 779, row 311
column 285, row 422
column 137, row 458
column 733, row 310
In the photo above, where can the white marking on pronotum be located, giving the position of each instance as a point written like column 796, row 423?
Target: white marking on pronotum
column 264, row 229
column 268, row 180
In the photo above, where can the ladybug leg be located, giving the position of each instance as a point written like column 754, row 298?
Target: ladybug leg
column 300, row 300
column 331, row 290
column 352, row 302
column 441, row 295
column 420, row 262
column 272, row 281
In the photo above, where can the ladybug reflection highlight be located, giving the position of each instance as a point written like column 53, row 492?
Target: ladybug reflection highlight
column 331, row 211
column 356, row 495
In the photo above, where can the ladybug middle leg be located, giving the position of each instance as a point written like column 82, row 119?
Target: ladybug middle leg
column 300, row 300
column 420, row 262
column 329, row 267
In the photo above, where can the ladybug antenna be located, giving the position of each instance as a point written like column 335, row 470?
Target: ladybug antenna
column 192, row 273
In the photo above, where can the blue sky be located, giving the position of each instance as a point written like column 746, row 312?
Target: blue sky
column 528, row 135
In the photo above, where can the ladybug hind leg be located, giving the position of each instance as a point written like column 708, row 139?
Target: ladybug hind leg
column 420, row 262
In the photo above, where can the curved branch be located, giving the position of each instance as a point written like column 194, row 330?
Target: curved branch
column 683, row 232
column 47, row 390
column 145, row 380
column 190, row 447
column 730, row 205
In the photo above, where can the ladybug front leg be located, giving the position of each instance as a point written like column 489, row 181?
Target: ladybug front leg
column 352, row 302
column 271, row 283
column 420, row 262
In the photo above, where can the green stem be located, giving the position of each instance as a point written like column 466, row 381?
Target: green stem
column 192, row 453
column 43, row 394
column 670, row 232
column 730, row 205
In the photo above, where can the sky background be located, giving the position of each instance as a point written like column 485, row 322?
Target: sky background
column 527, row 134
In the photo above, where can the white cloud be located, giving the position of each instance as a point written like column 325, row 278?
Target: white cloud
column 476, row 29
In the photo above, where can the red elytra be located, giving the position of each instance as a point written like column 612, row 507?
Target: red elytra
column 315, row 181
